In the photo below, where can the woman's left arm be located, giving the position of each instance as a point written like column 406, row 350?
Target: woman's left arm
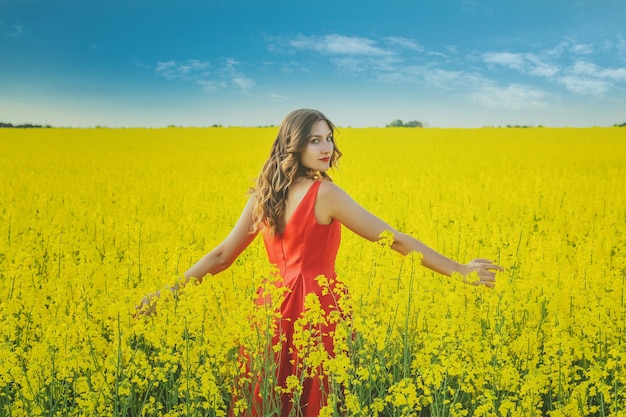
column 334, row 203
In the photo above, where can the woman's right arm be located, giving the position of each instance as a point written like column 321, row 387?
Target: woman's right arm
column 224, row 254
column 217, row 260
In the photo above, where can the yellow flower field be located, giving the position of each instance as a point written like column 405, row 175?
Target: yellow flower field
column 91, row 220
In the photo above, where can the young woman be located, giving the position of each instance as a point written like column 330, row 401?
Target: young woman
column 298, row 210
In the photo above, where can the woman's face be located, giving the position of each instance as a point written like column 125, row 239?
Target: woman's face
column 319, row 148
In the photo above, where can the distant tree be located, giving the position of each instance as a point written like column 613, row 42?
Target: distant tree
column 23, row 126
column 413, row 123
column 399, row 123
column 622, row 125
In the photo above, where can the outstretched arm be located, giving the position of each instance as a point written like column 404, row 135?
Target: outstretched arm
column 217, row 260
column 334, row 203
column 224, row 254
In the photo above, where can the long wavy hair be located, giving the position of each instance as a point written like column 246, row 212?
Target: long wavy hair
column 284, row 165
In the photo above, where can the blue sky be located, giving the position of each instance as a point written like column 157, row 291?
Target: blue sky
column 447, row 63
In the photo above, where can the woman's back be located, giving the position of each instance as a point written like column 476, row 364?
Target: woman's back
column 305, row 247
column 304, row 250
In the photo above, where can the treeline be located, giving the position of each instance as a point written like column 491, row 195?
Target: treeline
column 395, row 123
column 24, row 126
column 400, row 123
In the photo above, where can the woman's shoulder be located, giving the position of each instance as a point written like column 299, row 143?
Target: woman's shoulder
column 328, row 186
column 329, row 191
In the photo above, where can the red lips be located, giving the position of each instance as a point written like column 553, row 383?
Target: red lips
column 325, row 159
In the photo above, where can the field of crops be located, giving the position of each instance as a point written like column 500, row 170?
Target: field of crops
column 92, row 220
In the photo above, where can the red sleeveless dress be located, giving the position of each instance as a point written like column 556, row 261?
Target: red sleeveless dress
column 304, row 251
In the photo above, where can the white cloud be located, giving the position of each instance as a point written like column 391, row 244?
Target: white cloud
column 512, row 97
column 587, row 78
column 437, row 54
column 537, row 67
column 581, row 49
column 190, row 70
column 338, row 45
column 585, row 85
column 446, row 79
column 474, row 75
column 435, row 78
column 526, row 63
column 404, row 43
column 507, row 59
column 233, row 76
column 593, row 70
column 232, row 63
column 243, row 83
column 579, row 76
column 614, row 73
column 571, row 46
column 479, row 89
column 210, row 81
column 585, row 68
column 167, row 69
column 385, row 58
column 453, row 49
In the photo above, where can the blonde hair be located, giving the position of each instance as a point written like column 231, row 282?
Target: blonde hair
column 283, row 166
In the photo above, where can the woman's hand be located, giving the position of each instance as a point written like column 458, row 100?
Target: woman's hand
column 481, row 272
column 147, row 305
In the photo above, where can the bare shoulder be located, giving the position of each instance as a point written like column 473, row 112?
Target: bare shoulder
column 331, row 195
column 335, row 203
column 328, row 202
column 329, row 190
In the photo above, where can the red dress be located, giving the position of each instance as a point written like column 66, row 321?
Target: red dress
column 304, row 251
